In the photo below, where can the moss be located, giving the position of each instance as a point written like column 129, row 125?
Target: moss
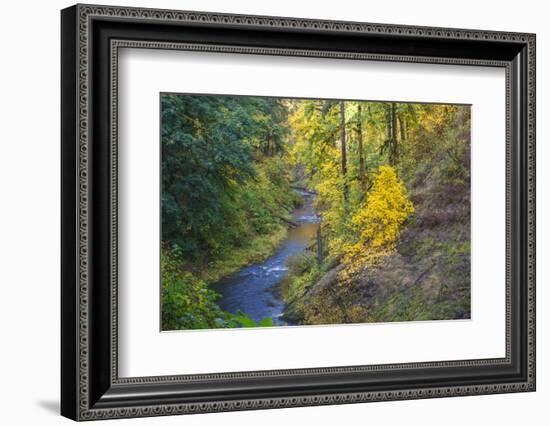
column 452, row 249
column 303, row 273
column 412, row 305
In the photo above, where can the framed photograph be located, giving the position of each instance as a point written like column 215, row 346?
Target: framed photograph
column 263, row 212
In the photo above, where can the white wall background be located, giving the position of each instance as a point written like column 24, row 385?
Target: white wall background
column 29, row 212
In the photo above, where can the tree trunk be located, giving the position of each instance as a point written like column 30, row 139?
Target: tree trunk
column 343, row 148
column 393, row 143
column 387, row 144
column 402, row 128
column 362, row 177
column 319, row 246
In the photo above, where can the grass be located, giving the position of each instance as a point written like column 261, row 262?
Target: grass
column 256, row 250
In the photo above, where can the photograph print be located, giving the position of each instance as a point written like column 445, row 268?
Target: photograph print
column 301, row 212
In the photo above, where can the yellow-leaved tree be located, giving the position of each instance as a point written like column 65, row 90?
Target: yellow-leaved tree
column 377, row 222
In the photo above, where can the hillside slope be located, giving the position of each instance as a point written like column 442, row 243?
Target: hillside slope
column 426, row 278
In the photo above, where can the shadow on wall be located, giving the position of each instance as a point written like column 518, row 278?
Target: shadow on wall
column 50, row 406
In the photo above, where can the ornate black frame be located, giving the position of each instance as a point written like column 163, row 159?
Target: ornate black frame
column 91, row 37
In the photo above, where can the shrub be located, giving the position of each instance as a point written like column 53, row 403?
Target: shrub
column 378, row 221
column 187, row 302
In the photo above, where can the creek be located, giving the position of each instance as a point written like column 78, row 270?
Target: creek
column 255, row 289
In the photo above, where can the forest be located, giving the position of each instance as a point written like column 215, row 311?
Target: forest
column 283, row 212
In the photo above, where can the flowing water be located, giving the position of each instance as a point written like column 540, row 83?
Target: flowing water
column 255, row 289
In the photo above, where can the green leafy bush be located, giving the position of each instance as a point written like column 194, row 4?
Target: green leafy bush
column 187, row 302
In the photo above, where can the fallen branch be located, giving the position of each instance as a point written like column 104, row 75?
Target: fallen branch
column 299, row 188
column 287, row 221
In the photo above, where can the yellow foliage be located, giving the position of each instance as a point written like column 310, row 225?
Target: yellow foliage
column 436, row 118
column 378, row 221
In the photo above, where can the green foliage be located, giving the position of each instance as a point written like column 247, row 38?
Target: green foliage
column 227, row 165
column 243, row 320
column 266, row 322
column 257, row 249
column 225, row 196
column 303, row 271
column 187, row 302
column 209, row 144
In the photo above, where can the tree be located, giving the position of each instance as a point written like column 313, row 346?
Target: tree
column 378, row 221
column 315, row 126
column 390, row 144
column 211, row 147
column 343, row 150
column 359, row 130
